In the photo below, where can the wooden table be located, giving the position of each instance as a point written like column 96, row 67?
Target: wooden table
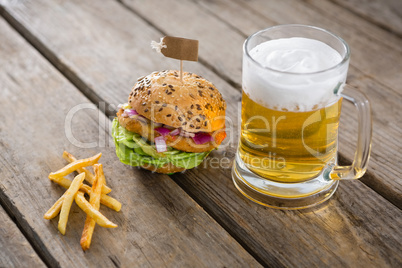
column 58, row 56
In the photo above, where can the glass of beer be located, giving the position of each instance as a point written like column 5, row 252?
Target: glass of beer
column 293, row 86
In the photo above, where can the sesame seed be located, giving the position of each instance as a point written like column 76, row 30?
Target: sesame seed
column 198, row 120
column 144, row 103
column 197, row 127
column 191, row 125
column 180, row 119
column 189, row 112
column 160, row 109
column 164, row 105
column 211, row 88
column 170, row 86
column 156, row 101
column 185, row 123
column 192, row 106
column 211, row 95
column 146, row 110
column 176, row 107
column 205, row 123
column 149, row 92
column 168, row 115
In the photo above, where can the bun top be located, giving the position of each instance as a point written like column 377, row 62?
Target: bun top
column 195, row 104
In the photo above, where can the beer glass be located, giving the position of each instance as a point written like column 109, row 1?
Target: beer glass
column 287, row 154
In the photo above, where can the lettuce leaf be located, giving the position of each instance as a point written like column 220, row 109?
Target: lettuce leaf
column 134, row 150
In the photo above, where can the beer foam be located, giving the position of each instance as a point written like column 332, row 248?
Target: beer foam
column 295, row 82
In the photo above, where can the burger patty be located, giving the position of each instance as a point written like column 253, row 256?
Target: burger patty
column 177, row 142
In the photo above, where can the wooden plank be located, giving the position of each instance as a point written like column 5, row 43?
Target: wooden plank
column 385, row 13
column 369, row 69
column 345, row 232
column 385, row 98
column 159, row 224
column 15, row 250
column 209, row 29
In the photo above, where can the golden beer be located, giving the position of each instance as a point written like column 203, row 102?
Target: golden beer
column 288, row 146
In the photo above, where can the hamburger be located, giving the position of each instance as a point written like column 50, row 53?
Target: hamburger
column 169, row 125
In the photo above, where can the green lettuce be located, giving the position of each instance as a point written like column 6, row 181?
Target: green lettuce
column 134, row 150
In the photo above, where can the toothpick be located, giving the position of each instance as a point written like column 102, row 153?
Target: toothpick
column 181, row 71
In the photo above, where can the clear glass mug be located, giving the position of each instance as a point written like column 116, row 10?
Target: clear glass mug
column 287, row 154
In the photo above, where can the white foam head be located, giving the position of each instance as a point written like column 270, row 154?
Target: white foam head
column 290, row 74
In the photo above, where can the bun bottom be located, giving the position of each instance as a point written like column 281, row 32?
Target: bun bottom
column 166, row 169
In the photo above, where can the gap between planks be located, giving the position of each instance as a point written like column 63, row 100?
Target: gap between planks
column 23, row 226
column 91, row 94
column 82, row 87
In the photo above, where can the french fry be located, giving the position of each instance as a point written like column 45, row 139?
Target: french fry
column 110, row 202
column 89, row 177
column 94, row 200
column 75, row 191
column 75, row 165
column 55, row 209
column 105, row 199
column 68, row 200
column 93, row 213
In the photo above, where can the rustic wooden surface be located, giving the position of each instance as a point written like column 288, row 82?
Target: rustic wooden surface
column 15, row 249
column 159, row 225
column 386, row 13
column 369, row 68
column 104, row 48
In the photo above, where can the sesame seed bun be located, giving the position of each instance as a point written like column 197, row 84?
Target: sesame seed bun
column 193, row 104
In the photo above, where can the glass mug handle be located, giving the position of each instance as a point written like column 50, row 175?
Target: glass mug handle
column 362, row 154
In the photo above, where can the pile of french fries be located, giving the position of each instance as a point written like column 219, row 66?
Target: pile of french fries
column 76, row 190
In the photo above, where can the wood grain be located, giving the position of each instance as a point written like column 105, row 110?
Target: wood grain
column 385, row 13
column 15, row 250
column 369, row 69
column 345, row 232
column 159, row 225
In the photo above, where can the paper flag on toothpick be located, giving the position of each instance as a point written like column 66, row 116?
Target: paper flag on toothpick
column 177, row 48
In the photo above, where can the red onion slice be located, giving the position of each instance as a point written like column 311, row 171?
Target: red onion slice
column 175, row 132
column 201, row 138
column 130, row 112
column 186, row 134
column 163, row 131
column 160, row 144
